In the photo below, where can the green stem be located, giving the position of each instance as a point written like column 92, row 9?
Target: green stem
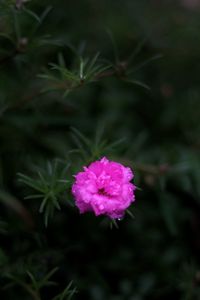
column 35, row 294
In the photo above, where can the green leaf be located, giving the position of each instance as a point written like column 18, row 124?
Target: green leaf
column 144, row 63
column 168, row 210
column 67, row 294
column 51, row 184
column 114, row 45
column 45, row 281
column 16, row 25
column 138, row 83
column 32, row 14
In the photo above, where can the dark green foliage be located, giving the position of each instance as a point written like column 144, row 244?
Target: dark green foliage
column 49, row 185
column 80, row 80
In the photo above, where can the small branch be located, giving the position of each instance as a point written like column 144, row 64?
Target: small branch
column 105, row 74
column 119, row 71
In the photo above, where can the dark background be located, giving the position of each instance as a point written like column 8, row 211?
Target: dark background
column 154, row 255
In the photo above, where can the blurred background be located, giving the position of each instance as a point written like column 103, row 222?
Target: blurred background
column 84, row 79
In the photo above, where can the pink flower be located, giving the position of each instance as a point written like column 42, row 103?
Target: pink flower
column 104, row 187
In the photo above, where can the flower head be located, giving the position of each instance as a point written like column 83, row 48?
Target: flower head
column 104, row 187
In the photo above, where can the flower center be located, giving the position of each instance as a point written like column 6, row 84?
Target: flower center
column 102, row 192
